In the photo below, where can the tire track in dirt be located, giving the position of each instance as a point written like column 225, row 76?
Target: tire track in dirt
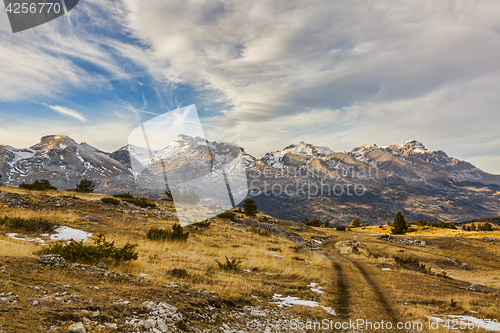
column 343, row 299
column 376, row 290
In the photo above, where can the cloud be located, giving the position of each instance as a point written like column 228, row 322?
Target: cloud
column 67, row 112
column 341, row 73
column 108, row 132
column 380, row 72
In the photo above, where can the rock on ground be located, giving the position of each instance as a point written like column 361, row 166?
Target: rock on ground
column 52, row 260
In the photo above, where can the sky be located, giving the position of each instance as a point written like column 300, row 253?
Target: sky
column 262, row 74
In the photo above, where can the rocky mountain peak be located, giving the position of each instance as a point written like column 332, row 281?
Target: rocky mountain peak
column 414, row 145
column 50, row 142
column 305, row 149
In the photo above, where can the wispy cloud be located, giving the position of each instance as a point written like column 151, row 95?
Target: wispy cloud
column 337, row 73
column 67, row 112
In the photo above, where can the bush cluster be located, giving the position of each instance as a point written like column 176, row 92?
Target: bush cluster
column 439, row 224
column 112, row 201
column 202, row 224
column 480, row 227
column 123, row 195
column 100, row 250
column 227, row 215
column 38, row 185
column 229, row 265
column 141, row 202
column 176, row 234
column 314, row 223
column 27, row 225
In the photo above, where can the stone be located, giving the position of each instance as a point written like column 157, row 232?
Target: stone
column 257, row 314
column 102, row 266
column 161, row 325
column 52, row 260
column 95, row 314
column 474, row 287
column 465, row 266
column 77, row 328
column 111, row 325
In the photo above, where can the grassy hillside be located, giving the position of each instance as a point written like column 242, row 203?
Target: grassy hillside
column 352, row 275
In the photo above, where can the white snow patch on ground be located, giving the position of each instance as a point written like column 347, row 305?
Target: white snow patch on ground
column 14, row 236
column 290, row 301
column 470, row 322
column 67, row 233
column 386, row 269
column 316, row 288
column 275, row 254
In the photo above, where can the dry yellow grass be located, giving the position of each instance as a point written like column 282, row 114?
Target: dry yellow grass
column 272, row 265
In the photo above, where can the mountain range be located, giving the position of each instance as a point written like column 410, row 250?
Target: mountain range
column 369, row 182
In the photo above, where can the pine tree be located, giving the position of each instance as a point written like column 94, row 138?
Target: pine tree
column 400, row 225
column 250, row 207
column 86, row 186
column 355, row 223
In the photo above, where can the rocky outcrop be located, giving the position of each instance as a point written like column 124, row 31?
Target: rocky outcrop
column 52, row 260
column 275, row 230
column 161, row 318
column 403, row 241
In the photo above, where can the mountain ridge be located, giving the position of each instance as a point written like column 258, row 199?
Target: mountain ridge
column 395, row 177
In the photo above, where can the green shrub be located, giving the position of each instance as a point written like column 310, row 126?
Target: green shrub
column 112, row 201
column 259, row 232
column 421, row 223
column 85, row 186
column 229, row 265
column 314, row 223
column 443, row 225
column 123, row 195
column 176, row 234
column 484, row 227
column 202, row 224
column 27, row 225
column 141, row 202
column 100, row 250
column 157, row 234
column 355, row 223
column 227, row 215
column 38, row 185
column 410, row 263
column 340, row 227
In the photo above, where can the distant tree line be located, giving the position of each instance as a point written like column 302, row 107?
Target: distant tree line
column 480, row 227
column 85, row 186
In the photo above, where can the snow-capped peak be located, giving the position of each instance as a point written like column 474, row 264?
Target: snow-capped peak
column 415, row 145
column 305, row 149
